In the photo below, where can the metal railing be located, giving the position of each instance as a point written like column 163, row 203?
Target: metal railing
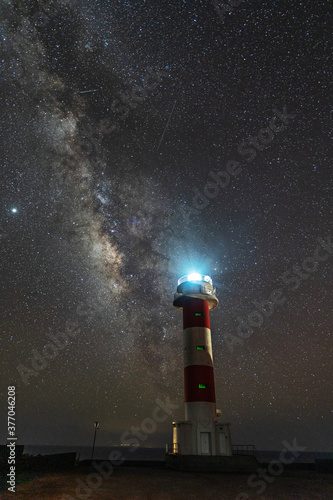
column 246, row 449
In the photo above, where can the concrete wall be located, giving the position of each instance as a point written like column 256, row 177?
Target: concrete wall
column 242, row 464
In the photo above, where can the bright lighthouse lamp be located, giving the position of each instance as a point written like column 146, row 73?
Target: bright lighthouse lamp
column 195, row 278
column 195, row 285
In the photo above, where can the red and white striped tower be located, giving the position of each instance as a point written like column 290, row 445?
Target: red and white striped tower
column 198, row 434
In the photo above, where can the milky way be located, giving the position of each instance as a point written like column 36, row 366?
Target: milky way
column 116, row 117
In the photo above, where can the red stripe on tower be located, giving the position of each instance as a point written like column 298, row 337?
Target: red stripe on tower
column 195, row 313
column 199, row 383
column 198, row 378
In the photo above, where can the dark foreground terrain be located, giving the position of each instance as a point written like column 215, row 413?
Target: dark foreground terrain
column 157, row 483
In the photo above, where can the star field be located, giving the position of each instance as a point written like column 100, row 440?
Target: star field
column 116, row 116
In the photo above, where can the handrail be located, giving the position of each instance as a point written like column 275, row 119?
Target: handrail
column 247, row 449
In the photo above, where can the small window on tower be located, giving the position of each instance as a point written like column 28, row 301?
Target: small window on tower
column 198, row 314
column 200, row 347
column 202, row 386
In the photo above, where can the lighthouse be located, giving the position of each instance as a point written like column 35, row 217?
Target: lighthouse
column 201, row 433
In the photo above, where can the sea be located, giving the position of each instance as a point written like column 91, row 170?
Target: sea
column 100, row 452
column 154, row 454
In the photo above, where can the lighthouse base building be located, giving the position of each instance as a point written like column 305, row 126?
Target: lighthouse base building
column 201, row 437
column 202, row 441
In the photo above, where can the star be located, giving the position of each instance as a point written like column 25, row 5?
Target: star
column 140, row 149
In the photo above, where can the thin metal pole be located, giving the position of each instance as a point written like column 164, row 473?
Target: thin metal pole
column 92, row 454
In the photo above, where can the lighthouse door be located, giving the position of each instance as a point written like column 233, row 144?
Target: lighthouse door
column 223, row 444
column 205, row 443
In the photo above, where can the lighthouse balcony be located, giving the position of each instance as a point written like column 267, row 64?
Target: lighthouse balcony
column 197, row 286
column 186, row 291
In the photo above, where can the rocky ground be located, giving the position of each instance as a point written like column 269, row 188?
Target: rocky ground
column 154, row 483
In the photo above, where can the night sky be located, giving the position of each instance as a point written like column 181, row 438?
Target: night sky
column 116, row 118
